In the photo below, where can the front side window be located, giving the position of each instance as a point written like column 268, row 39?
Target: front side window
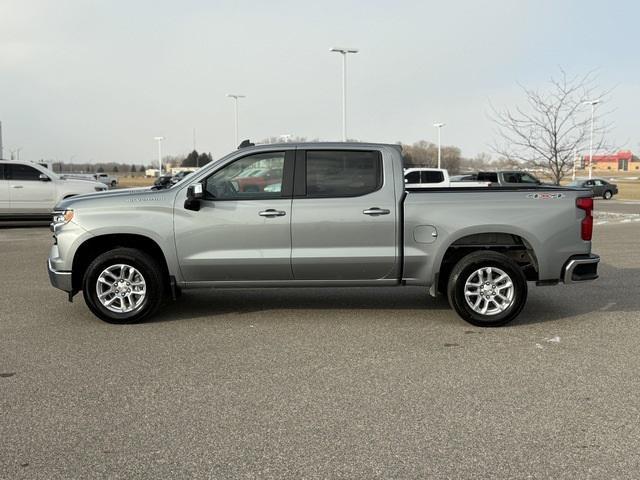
column 22, row 172
column 250, row 177
column 346, row 173
column 412, row 177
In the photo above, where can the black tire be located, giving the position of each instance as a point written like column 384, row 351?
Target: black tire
column 148, row 268
column 113, row 184
column 463, row 270
column 607, row 195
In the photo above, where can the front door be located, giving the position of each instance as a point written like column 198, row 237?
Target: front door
column 29, row 193
column 242, row 231
column 344, row 216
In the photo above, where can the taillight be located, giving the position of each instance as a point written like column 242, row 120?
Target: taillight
column 586, row 227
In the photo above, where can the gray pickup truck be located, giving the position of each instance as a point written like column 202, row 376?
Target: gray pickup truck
column 319, row 215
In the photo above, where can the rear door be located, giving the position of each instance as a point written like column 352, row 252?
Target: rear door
column 5, row 202
column 344, row 216
column 27, row 192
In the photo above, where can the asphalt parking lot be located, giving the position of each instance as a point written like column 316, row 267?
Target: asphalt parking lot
column 325, row 383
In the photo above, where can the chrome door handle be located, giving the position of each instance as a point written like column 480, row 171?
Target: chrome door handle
column 272, row 213
column 376, row 211
column 16, row 186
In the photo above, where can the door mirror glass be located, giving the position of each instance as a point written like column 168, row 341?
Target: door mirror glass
column 43, row 178
column 195, row 191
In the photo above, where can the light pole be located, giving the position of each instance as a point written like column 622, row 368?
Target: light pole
column 593, row 104
column 344, row 51
column 159, row 140
column 439, row 127
column 235, row 97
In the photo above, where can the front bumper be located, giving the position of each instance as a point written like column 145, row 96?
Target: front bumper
column 61, row 280
column 580, row 268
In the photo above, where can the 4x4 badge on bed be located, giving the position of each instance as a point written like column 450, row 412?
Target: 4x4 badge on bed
column 545, row 196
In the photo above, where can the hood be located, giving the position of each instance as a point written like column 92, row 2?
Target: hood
column 105, row 195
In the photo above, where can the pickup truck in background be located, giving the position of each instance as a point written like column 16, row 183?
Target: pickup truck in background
column 29, row 191
column 421, row 177
column 339, row 216
column 106, row 179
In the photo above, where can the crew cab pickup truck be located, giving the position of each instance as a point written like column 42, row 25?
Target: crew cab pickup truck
column 339, row 217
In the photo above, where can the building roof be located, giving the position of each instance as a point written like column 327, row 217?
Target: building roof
column 614, row 157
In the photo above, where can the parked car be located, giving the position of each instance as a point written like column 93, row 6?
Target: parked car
column 508, row 178
column 341, row 218
column 168, row 180
column 30, row 191
column 599, row 187
column 163, row 181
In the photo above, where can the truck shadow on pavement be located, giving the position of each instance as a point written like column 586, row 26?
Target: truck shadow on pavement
column 545, row 304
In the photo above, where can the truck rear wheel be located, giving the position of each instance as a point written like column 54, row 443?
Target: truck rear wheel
column 124, row 285
column 487, row 289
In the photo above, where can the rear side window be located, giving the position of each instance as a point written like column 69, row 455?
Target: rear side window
column 334, row 173
column 430, row 176
column 1, row 171
column 21, row 172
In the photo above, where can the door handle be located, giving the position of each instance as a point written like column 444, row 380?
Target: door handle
column 376, row 211
column 16, row 186
column 271, row 212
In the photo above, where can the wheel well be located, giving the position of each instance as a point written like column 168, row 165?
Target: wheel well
column 513, row 246
column 95, row 246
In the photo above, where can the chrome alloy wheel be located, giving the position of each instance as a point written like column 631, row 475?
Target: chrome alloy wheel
column 489, row 291
column 121, row 288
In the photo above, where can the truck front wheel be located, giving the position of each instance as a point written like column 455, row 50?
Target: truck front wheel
column 123, row 285
column 487, row 289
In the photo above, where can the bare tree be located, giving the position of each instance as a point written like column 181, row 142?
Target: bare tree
column 425, row 154
column 553, row 126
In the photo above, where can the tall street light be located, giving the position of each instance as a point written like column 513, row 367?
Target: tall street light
column 439, row 127
column 344, row 51
column 593, row 104
column 235, row 97
column 159, row 140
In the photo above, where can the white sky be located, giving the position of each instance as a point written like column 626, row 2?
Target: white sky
column 97, row 80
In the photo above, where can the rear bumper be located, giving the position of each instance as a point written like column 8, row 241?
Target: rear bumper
column 580, row 268
column 61, row 280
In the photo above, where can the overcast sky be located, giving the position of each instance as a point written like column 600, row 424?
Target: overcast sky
column 97, row 80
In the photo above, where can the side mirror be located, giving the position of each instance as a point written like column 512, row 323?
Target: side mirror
column 195, row 193
column 43, row 178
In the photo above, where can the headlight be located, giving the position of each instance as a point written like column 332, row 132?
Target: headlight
column 100, row 189
column 62, row 217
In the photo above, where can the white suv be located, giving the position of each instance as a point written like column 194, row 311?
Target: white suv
column 29, row 190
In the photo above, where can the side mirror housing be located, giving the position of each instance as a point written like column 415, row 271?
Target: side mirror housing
column 43, row 178
column 195, row 193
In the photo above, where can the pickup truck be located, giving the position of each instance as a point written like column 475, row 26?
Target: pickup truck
column 339, row 217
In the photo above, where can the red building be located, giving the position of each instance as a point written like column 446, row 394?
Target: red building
column 622, row 161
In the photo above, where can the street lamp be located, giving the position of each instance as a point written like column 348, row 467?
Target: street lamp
column 344, row 51
column 439, row 127
column 159, row 140
column 593, row 104
column 235, row 97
